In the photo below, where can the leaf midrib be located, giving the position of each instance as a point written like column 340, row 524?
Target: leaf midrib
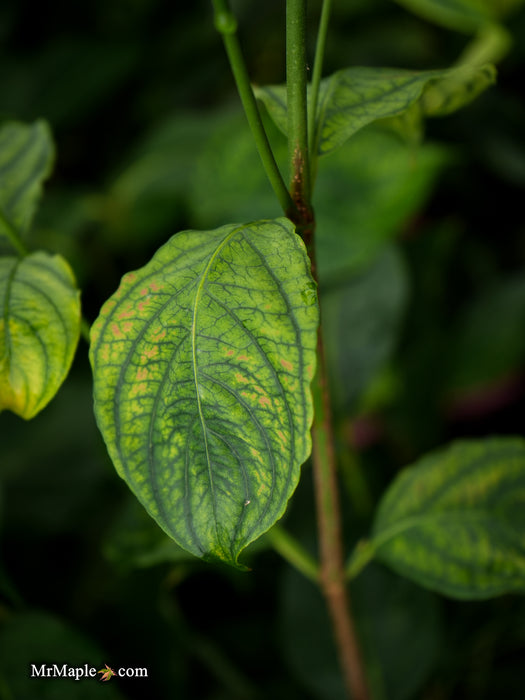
column 199, row 292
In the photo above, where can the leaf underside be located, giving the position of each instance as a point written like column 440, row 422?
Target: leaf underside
column 454, row 521
column 202, row 362
column 39, row 330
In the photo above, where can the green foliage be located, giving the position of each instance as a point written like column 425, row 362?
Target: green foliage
column 366, row 192
column 26, row 158
column 453, row 522
column 352, row 98
column 202, row 363
column 420, row 263
column 39, row 330
column 361, row 319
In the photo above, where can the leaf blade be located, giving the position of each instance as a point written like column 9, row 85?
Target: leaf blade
column 454, row 521
column 39, row 330
column 352, row 98
column 221, row 460
column 26, row 160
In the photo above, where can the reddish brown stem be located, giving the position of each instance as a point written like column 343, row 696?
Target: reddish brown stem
column 332, row 576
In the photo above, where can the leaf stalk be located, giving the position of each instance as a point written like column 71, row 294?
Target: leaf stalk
column 291, row 550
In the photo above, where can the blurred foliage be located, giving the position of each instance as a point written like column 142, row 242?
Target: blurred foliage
column 422, row 254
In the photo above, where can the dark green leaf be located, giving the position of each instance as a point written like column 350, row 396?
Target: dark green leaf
column 454, row 521
column 202, row 362
column 361, row 322
column 478, row 358
column 354, row 97
column 366, row 193
column 26, row 159
column 39, row 330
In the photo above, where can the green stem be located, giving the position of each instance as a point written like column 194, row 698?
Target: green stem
column 297, row 106
column 226, row 24
column 316, row 82
column 12, row 234
column 290, row 549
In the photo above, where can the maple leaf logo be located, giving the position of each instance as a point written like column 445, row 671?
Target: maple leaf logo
column 106, row 673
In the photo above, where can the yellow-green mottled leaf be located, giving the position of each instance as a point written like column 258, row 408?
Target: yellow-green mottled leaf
column 39, row 330
column 352, row 98
column 202, row 364
column 457, row 89
column 455, row 521
column 26, row 159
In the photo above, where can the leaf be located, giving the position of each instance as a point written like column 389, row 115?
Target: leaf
column 463, row 15
column 39, row 330
column 457, row 89
column 366, row 194
column 228, row 170
column 478, row 358
column 202, row 362
column 361, row 322
column 26, row 159
column 454, row 521
column 352, row 98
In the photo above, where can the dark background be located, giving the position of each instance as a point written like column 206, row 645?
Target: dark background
column 425, row 328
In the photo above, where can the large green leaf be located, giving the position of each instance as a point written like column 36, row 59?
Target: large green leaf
column 39, row 330
column 354, row 97
column 202, row 362
column 455, row 521
column 26, row 158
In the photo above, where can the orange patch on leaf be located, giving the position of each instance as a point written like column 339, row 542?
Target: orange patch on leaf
column 116, row 331
column 287, row 365
column 127, row 313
